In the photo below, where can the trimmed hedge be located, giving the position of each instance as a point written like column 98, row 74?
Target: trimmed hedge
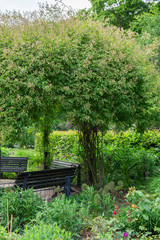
column 64, row 144
column 148, row 139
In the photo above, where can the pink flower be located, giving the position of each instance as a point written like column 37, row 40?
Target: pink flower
column 125, row 234
column 114, row 212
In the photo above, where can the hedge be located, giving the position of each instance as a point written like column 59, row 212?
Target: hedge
column 64, row 144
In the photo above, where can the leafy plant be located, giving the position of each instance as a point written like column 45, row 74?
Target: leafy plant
column 66, row 213
column 3, row 234
column 98, row 202
column 45, row 231
column 23, row 205
column 131, row 165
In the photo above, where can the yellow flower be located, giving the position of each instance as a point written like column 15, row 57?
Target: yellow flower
column 133, row 206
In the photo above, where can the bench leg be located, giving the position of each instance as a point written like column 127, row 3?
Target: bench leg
column 67, row 187
column 79, row 176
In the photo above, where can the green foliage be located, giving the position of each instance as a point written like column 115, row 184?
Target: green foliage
column 34, row 159
column 4, row 152
column 138, row 218
column 131, row 165
column 45, row 231
column 23, row 205
column 127, row 156
column 23, row 139
column 143, row 211
column 3, row 234
column 148, row 139
column 66, row 213
column 96, row 201
column 1, row 191
column 147, row 26
column 63, row 145
column 153, row 185
column 120, row 13
column 93, row 72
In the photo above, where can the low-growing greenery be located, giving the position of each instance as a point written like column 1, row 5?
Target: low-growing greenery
column 66, row 213
column 111, row 212
column 133, row 214
column 131, row 165
column 45, row 232
column 23, row 205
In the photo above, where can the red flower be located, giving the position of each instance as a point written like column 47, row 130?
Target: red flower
column 114, row 212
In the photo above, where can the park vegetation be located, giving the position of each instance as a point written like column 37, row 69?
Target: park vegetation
column 97, row 70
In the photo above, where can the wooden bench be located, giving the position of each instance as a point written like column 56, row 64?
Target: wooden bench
column 61, row 174
column 13, row 164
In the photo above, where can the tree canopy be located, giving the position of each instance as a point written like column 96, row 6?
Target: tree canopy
column 96, row 73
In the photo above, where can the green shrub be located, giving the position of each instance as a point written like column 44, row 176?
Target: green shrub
column 149, row 139
column 45, row 231
column 131, row 165
column 98, row 202
column 141, row 213
column 136, row 218
column 66, row 213
column 63, row 146
column 153, row 185
column 128, row 156
column 5, row 152
column 3, row 234
column 23, row 205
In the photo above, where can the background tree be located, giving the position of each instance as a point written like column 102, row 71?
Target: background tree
column 148, row 28
column 119, row 12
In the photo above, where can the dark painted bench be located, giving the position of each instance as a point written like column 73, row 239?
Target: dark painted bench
column 61, row 174
column 13, row 164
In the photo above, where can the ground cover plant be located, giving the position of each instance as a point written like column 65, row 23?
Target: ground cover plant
column 133, row 215
column 22, row 205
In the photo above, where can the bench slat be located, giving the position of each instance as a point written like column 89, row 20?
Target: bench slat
column 13, row 164
column 46, row 178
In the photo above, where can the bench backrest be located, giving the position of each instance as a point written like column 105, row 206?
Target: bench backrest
column 45, row 178
column 13, row 164
column 61, row 164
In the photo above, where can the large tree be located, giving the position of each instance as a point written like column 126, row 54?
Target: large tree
column 109, row 80
column 97, row 75
column 28, row 52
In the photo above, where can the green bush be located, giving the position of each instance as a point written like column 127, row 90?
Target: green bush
column 45, row 231
column 3, row 234
column 95, row 200
column 141, row 213
column 5, row 152
column 66, row 213
column 23, row 205
column 131, row 165
column 1, row 191
column 149, row 139
column 136, row 218
column 63, row 146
